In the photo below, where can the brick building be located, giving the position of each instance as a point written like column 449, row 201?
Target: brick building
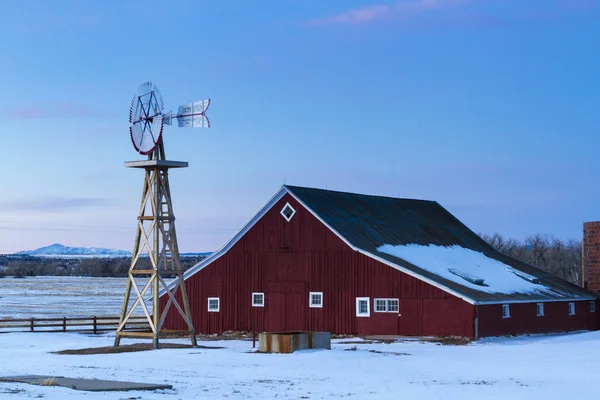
column 591, row 256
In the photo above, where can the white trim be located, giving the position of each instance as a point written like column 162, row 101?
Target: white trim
column 488, row 303
column 572, row 306
column 218, row 304
column 310, row 302
column 386, row 305
column 368, row 313
column 539, row 309
column 415, row 275
column 506, row 311
column 285, row 216
column 234, row 239
column 257, row 304
column 375, row 305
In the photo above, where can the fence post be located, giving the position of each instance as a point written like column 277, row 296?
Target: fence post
column 31, row 325
column 95, row 325
column 64, row 324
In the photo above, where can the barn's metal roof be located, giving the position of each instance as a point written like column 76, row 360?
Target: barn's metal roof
column 367, row 222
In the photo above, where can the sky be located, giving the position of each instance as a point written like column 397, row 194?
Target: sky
column 489, row 107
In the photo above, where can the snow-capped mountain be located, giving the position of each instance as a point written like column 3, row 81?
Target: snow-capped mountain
column 59, row 250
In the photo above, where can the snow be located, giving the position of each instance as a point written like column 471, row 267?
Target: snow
column 63, row 296
column 455, row 263
column 548, row 367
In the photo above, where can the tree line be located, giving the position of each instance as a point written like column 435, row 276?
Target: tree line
column 22, row 266
column 559, row 257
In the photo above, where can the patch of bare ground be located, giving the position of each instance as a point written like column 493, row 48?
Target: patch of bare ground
column 451, row 341
column 228, row 335
column 128, row 348
column 445, row 341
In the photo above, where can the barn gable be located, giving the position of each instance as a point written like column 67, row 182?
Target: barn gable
column 372, row 224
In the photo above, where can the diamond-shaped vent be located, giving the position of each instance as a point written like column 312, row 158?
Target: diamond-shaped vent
column 288, row 212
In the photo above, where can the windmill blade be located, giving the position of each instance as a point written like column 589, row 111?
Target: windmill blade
column 193, row 115
column 196, row 121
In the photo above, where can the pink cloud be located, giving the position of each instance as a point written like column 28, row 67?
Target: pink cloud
column 379, row 12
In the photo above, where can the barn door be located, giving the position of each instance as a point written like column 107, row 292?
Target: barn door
column 275, row 311
column 410, row 319
column 286, row 306
column 296, row 305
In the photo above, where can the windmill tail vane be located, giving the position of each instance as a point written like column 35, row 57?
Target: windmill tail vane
column 192, row 115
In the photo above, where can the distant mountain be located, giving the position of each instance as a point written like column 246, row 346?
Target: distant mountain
column 59, row 250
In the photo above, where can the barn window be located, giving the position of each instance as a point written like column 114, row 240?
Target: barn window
column 380, row 305
column 592, row 306
column 213, row 304
column 288, row 212
column 571, row 308
column 505, row 310
column 316, row 299
column 540, row 309
column 392, row 305
column 362, row 307
column 258, row 299
column 386, row 305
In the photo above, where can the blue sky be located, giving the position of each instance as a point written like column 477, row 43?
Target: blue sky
column 490, row 107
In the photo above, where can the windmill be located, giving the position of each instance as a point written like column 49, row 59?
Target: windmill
column 156, row 234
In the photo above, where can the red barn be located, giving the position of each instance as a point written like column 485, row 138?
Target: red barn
column 321, row 260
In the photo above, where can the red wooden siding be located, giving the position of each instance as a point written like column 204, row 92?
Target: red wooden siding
column 523, row 319
column 287, row 260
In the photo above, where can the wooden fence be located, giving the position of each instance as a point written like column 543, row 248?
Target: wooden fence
column 81, row 324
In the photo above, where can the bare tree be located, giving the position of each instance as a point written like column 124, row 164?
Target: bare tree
column 561, row 258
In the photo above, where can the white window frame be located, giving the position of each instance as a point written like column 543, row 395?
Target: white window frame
column 386, row 305
column 218, row 304
column 257, row 304
column 505, row 310
column 592, row 306
column 310, row 300
column 571, row 308
column 358, row 301
column 284, row 216
column 375, row 305
column 539, row 308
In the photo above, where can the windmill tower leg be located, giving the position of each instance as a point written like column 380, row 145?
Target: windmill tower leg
column 159, row 241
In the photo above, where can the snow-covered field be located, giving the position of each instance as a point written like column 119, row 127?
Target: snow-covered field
column 61, row 296
column 542, row 367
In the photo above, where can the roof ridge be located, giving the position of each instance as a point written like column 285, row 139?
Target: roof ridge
column 291, row 187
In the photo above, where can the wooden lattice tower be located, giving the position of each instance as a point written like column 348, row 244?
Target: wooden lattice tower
column 156, row 238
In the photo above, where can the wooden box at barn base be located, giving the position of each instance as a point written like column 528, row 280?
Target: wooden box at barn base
column 288, row 342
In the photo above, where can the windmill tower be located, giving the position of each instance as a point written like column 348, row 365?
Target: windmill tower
column 156, row 240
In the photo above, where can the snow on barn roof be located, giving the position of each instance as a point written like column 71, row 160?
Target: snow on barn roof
column 422, row 239
column 468, row 267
